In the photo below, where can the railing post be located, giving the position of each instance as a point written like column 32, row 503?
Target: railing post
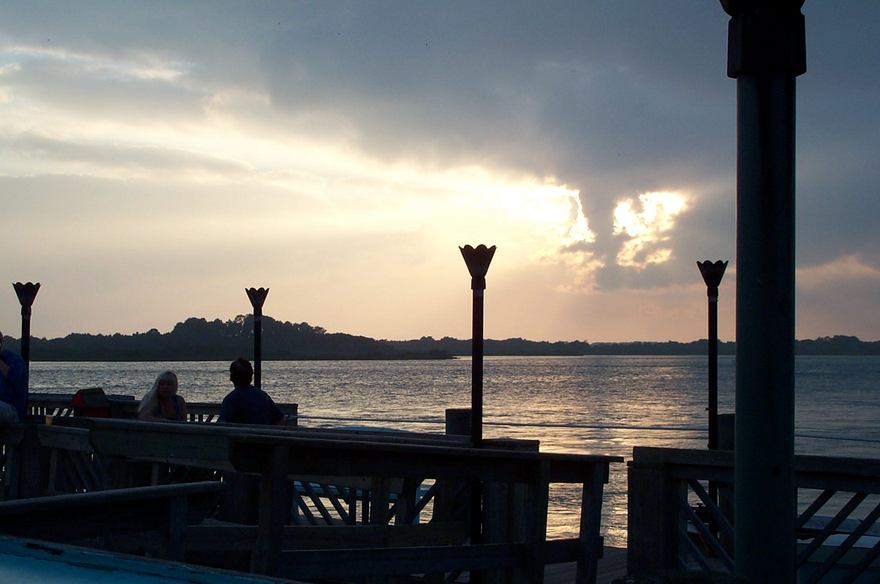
column 452, row 501
column 174, row 544
column 591, row 542
column 726, row 493
column 458, row 421
column 504, row 510
column 652, row 517
column 274, row 513
column 537, row 498
column 33, row 464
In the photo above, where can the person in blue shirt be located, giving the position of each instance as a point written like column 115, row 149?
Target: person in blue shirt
column 247, row 404
column 13, row 387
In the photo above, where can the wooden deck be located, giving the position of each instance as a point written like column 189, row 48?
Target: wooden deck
column 612, row 566
column 321, row 504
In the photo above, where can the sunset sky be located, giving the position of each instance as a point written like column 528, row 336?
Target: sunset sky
column 156, row 158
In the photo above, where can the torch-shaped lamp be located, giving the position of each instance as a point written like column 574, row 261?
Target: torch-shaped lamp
column 477, row 260
column 26, row 294
column 712, row 273
column 257, row 297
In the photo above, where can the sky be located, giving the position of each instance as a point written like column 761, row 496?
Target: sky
column 156, row 158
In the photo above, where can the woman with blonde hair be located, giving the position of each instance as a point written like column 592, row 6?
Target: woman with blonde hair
column 162, row 402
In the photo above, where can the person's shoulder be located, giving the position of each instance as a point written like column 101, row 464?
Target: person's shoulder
column 264, row 394
column 11, row 357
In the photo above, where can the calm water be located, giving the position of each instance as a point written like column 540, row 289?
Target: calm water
column 597, row 405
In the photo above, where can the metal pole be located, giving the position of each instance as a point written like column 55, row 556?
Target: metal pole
column 257, row 297
column 26, row 294
column 477, row 261
column 477, row 370
column 712, row 274
column 766, row 53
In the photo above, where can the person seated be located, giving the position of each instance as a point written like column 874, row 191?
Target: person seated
column 247, row 404
column 162, row 404
column 13, row 387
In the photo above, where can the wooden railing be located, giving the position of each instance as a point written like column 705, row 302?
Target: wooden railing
column 125, row 406
column 166, row 510
column 673, row 523
column 344, row 504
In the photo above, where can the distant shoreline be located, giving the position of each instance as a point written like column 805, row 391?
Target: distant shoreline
column 452, row 358
column 197, row 339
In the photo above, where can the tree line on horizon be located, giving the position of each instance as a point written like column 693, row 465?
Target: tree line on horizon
column 198, row 339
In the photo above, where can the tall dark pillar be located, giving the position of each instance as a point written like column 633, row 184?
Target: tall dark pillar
column 767, row 52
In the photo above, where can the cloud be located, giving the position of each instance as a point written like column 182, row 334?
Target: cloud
column 98, row 157
column 841, row 271
column 522, row 123
column 646, row 228
column 504, row 86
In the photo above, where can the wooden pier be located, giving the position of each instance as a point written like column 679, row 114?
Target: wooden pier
column 307, row 504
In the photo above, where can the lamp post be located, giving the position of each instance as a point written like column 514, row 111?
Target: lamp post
column 712, row 273
column 766, row 53
column 26, row 294
column 257, row 297
column 477, row 260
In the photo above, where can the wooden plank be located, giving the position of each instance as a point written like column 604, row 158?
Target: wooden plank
column 318, row 503
column 406, row 501
column 235, row 537
column 82, row 471
column 681, row 456
column 810, row 471
column 335, row 500
column 101, row 513
column 65, row 438
column 379, row 499
column 349, row 563
column 348, row 458
column 165, row 443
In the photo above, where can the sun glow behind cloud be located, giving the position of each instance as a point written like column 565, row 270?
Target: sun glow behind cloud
column 647, row 225
column 187, row 179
